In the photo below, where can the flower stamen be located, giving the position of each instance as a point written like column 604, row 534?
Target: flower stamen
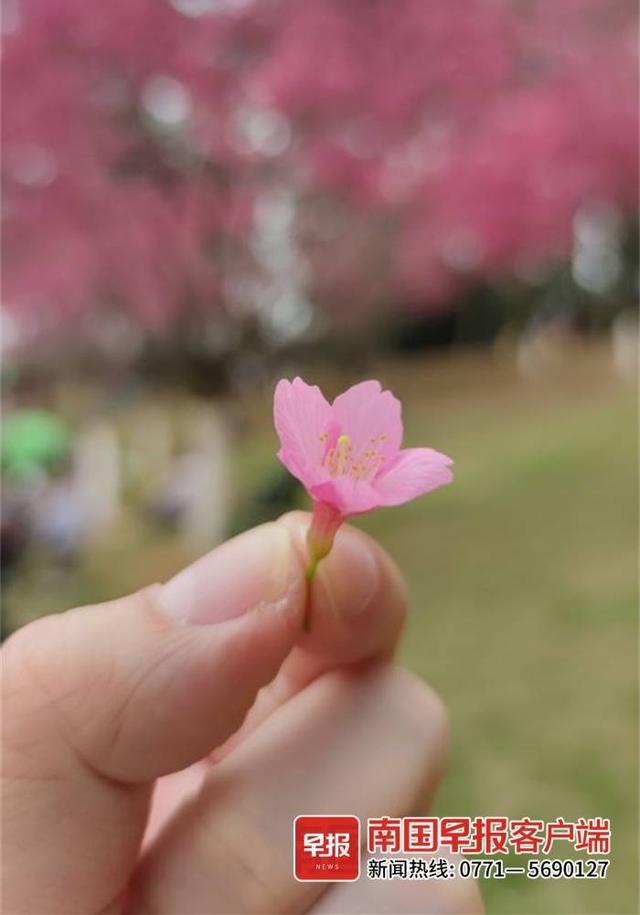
column 340, row 460
column 343, row 446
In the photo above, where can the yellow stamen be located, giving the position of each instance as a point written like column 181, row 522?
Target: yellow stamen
column 340, row 460
column 341, row 451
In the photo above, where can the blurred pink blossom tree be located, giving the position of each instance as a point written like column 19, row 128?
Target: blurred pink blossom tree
column 169, row 159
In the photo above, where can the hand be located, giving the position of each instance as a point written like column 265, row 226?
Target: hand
column 210, row 676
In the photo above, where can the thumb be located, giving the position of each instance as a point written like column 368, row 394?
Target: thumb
column 148, row 684
column 100, row 701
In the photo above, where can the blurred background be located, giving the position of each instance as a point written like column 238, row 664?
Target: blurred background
column 201, row 196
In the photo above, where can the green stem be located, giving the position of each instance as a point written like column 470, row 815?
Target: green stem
column 309, row 575
column 324, row 524
column 312, row 568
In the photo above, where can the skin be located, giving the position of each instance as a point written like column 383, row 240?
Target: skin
column 157, row 748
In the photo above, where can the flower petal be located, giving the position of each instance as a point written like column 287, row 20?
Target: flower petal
column 301, row 415
column 414, row 472
column 348, row 496
column 365, row 412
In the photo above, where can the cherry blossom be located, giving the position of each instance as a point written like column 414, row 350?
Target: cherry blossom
column 348, row 455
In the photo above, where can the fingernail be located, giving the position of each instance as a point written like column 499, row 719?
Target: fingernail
column 349, row 576
column 254, row 568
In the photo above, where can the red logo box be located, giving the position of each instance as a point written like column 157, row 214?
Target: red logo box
column 326, row 848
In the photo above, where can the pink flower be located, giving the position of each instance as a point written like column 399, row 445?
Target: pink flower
column 348, row 456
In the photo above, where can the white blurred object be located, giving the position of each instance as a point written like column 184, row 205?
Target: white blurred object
column 150, row 448
column 261, row 130
column 285, row 311
column 195, row 8
column 624, row 345
column 204, row 480
column 98, row 476
column 543, row 347
column 166, row 101
column 597, row 263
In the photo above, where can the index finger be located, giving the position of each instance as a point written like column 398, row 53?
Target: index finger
column 355, row 618
column 350, row 623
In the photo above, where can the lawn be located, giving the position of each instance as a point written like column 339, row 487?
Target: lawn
column 523, row 579
column 524, row 604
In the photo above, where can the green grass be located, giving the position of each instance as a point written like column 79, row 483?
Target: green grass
column 524, row 605
column 523, row 586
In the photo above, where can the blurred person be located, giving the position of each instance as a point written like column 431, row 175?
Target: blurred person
column 35, row 456
column 180, row 490
column 190, row 500
column 60, row 519
column 195, row 495
column 157, row 748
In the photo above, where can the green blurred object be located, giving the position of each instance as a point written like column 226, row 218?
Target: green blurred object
column 32, row 441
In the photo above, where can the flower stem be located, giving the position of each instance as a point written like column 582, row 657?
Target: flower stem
column 309, row 575
column 324, row 524
column 311, row 570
